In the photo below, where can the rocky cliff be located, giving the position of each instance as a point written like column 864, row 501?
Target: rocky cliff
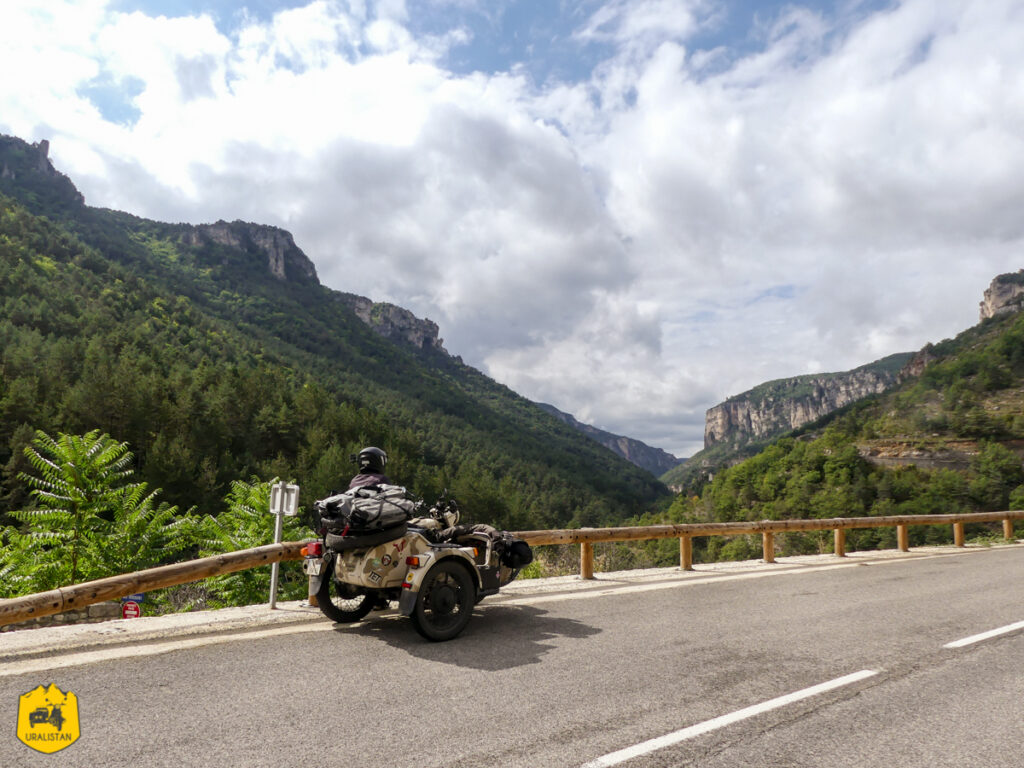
column 1003, row 296
column 284, row 259
column 27, row 166
column 654, row 460
column 785, row 404
column 395, row 323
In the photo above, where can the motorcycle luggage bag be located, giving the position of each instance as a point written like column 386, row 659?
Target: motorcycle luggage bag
column 513, row 552
column 517, row 554
column 366, row 509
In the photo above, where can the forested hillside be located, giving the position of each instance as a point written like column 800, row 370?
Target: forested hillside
column 213, row 369
column 948, row 440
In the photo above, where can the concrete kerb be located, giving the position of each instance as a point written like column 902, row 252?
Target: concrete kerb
column 30, row 643
column 50, row 640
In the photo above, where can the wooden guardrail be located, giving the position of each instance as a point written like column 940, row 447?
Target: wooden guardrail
column 686, row 532
column 80, row 595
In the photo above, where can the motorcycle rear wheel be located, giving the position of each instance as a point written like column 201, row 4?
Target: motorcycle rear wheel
column 445, row 602
column 349, row 603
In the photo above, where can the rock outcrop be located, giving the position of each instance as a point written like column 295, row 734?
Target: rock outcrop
column 29, row 166
column 395, row 323
column 285, row 260
column 919, row 362
column 1003, row 296
column 923, row 453
column 654, row 460
column 782, row 405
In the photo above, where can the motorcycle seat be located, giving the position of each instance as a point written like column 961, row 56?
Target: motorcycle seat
column 357, row 540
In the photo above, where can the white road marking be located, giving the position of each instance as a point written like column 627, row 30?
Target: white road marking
column 985, row 635
column 622, row 755
column 31, row 666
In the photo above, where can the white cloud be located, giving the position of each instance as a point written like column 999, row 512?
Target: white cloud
column 633, row 248
column 632, row 23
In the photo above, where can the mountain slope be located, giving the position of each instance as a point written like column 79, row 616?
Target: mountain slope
column 654, row 460
column 215, row 352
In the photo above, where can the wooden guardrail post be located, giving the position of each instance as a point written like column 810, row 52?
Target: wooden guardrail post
column 902, row 538
column 586, row 560
column 840, row 542
column 1008, row 528
column 768, row 546
column 686, row 553
column 958, row 534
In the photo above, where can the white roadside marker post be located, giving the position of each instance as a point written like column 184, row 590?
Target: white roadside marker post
column 284, row 500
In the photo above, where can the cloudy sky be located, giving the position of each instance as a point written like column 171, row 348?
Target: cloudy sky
column 630, row 209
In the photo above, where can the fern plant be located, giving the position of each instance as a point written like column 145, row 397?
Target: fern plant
column 75, row 490
column 88, row 522
column 246, row 523
column 143, row 532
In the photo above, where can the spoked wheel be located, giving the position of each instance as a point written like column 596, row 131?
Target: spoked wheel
column 445, row 602
column 348, row 603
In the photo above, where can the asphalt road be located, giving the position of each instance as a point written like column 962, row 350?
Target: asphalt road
column 567, row 679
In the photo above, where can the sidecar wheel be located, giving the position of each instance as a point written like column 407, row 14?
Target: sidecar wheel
column 445, row 602
column 348, row 604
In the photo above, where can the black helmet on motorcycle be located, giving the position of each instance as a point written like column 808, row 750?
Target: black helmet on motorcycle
column 371, row 460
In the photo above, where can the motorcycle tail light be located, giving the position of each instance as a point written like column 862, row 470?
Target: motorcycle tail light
column 304, row 551
column 413, row 562
column 314, row 548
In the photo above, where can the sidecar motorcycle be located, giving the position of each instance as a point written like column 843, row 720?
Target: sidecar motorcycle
column 374, row 550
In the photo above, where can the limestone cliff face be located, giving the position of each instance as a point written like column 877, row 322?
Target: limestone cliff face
column 395, row 323
column 285, row 260
column 1003, row 296
column 785, row 404
column 654, row 460
column 29, row 165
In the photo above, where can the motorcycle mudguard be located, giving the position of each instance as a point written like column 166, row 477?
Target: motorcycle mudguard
column 407, row 602
column 326, row 569
column 411, row 585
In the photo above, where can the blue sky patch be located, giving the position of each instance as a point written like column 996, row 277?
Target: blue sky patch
column 539, row 38
column 226, row 14
column 115, row 99
column 784, row 292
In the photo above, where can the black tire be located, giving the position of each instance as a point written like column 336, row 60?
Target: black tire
column 349, row 603
column 445, row 601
